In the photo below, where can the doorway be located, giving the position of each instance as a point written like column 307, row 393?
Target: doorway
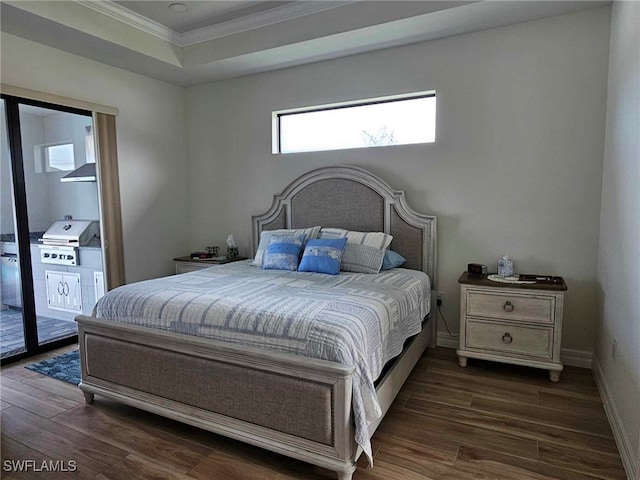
column 47, row 177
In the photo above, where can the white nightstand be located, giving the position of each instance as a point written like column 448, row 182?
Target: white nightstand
column 187, row 264
column 511, row 323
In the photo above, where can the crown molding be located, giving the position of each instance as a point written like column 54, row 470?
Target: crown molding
column 242, row 24
column 257, row 20
column 133, row 19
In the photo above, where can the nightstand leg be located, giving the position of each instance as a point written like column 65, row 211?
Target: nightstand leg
column 462, row 361
column 554, row 375
column 88, row 397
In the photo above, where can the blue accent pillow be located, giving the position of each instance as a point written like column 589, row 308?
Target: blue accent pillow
column 323, row 255
column 392, row 260
column 283, row 252
column 265, row 238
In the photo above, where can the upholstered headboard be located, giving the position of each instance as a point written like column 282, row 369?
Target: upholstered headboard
column 354, row 199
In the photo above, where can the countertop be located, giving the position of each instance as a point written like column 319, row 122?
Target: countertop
column 34, row 236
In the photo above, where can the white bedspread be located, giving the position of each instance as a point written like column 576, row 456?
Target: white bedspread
column 351, row 318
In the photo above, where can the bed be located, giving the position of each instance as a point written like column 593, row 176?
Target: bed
column 214, row 382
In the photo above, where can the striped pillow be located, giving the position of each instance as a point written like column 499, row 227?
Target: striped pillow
column 364, row 251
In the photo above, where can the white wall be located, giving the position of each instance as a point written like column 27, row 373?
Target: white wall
column 38, row 210
column 516, row 167
column 37, row 184
column 78, row 199
column 151, row 144
column 619, row 252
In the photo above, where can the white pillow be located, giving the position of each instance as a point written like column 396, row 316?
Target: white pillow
column 265, row 238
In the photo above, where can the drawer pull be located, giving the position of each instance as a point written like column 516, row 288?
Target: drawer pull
column 507, row 338
column 508, row 306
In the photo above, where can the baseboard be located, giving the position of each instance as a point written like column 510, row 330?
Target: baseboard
column 622, row 440
column 573, row 358
column 576, row 358
column 446, row 341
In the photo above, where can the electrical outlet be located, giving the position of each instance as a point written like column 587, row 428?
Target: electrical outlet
column 440, row 298
column 614, row 348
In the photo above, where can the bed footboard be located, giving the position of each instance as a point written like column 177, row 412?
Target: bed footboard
column 230, row 390
column 236, row 391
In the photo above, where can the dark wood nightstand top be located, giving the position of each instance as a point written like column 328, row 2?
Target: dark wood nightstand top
column 481, row 280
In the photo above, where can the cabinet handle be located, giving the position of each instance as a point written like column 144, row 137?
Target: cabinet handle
column 507, row 338
column 66, row 288
column 60, row 286
column 508, row 306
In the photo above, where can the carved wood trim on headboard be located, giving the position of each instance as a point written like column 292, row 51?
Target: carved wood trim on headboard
column 352, row 207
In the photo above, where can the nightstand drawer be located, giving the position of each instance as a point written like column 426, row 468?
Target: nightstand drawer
column 509, row 338
column 184, row 267
column 512, row 307
column 188, row 264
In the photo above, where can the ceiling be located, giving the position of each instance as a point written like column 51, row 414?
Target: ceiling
column 199, row 14
column 213, row 40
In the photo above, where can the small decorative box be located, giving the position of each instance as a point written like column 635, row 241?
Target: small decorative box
column 477, row 269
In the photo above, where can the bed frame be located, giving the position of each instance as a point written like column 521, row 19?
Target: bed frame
column 236, row 391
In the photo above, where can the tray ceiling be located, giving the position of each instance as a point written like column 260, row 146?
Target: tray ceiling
column 214, row 40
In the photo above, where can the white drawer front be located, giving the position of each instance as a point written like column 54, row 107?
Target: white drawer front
column 531, row 341
column 184, row 267
column 514, row 307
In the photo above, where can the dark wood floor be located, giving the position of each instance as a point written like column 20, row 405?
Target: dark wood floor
column 487, row 421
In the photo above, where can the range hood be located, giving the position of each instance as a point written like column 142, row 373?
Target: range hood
column 85, row 173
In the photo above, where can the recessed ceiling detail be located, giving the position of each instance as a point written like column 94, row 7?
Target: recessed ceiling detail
column 178, row 7
column 213, row 40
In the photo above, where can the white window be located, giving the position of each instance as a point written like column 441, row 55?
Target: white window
column 59, row 158
column 54, row 157
column 395, row 120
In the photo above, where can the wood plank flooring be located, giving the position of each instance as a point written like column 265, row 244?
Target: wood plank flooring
column 488, row 421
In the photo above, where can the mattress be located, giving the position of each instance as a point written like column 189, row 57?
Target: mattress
column 361, row 320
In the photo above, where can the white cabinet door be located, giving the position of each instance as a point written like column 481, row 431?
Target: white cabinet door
column 73, row 292
column 63, row 291
column 55, row 290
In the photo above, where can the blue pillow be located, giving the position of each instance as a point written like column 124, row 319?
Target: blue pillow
column 283, row 252
column 392, row 260
column 323, row 255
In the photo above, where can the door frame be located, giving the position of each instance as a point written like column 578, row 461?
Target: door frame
column 108, row 199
